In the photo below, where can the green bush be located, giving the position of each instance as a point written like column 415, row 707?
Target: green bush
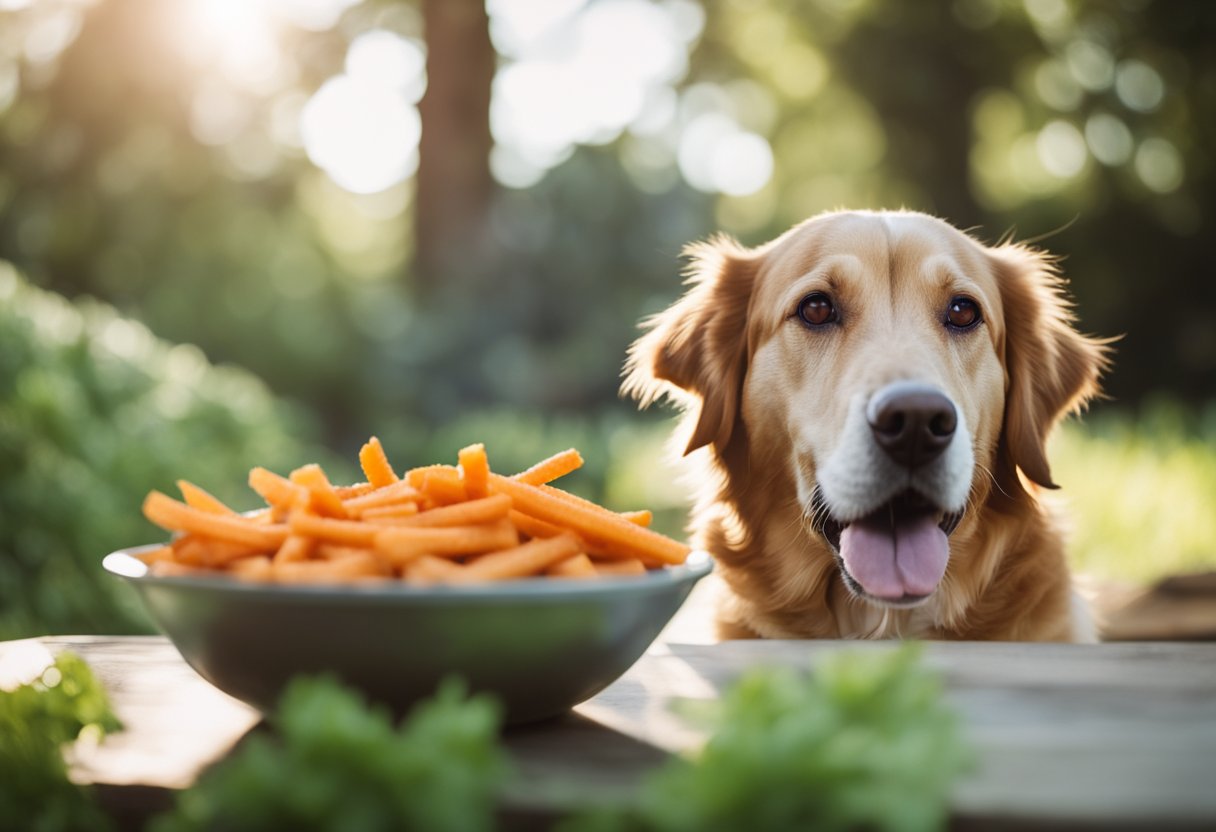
column 94, row 412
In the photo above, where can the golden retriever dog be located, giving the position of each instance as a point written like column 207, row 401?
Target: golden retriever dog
column 873, row 392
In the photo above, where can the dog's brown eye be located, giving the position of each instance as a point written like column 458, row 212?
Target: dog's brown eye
column 816, row 309
column 963, row 313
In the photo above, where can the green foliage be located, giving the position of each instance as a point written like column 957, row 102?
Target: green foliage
column 340, row 764
column 36, row 719
column 1138, row 493
column 864, row 742
column 994, row 114
column 95, row 412
column 584, row 255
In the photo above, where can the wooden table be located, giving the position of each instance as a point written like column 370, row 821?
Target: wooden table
column 1115, row 736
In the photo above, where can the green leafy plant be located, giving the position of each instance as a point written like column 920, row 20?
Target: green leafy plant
column 338, row 763
column 94, row 412
column 863, row 742
column 36, row 719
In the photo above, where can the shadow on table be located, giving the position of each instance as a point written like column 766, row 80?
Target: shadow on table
column 1177, row 608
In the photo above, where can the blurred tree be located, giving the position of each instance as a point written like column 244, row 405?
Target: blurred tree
column 159, row 156
column 918, row 67
column 454, row 182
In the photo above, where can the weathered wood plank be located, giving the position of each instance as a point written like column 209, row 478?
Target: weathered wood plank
column 1120, row 733
column 1107, row 736
column 175, row 723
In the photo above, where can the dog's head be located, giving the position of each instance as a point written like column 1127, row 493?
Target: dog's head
column 898, row 368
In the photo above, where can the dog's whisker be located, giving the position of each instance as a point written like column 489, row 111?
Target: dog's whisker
column 881, row 626
column 817, row 516
column 992, row 477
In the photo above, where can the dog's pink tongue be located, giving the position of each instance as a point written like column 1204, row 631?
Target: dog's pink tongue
column 890, row 563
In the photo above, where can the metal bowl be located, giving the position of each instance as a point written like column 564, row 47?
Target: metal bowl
column 541, row 645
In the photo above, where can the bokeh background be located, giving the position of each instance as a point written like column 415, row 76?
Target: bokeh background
column 239, row 232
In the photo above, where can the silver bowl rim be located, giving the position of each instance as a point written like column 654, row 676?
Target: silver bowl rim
column 125, row 564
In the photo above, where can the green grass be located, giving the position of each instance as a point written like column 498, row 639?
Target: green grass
column 1140, row 493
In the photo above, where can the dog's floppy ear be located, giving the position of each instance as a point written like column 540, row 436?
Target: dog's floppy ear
column 698, row 346
column 1051, row 369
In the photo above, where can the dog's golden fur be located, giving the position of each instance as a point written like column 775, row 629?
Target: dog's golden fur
column 765, row 402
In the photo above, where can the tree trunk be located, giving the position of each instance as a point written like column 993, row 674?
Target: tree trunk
column 454, row 182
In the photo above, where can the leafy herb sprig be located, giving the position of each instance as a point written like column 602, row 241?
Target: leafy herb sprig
column 37, row 718
column 339, row 763
column 863, row 742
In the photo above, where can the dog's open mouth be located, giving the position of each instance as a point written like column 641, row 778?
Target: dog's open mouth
column 897, row 554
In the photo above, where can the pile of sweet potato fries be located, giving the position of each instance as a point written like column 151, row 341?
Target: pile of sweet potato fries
column 435, row 524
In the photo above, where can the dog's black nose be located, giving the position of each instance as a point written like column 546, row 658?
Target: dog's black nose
column 912, row 422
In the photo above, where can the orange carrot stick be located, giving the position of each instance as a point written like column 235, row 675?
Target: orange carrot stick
column 363, row 565
column 590, row 520
column 526, row 559
column 191, row 549
column 531, row 526
column 336, row 551
column 277, row 491
column 433, row 569
column 474, row 469
column 404, row 545
column 168, row 513
column 547, row 470
column 255, row 568
column 468, row 513
column 639, row 518
column 375, row 464
column 390, row 513
column 209, row 552
column 576, row 566
column 159, row 553
column 200, row 499
column 394, row 494
column 444, row 486
column 415, row 476
column 346, row 532
column 322, row 498
column 173, row 569
column 295, row 548
column 348, row 492
column 632, row 566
